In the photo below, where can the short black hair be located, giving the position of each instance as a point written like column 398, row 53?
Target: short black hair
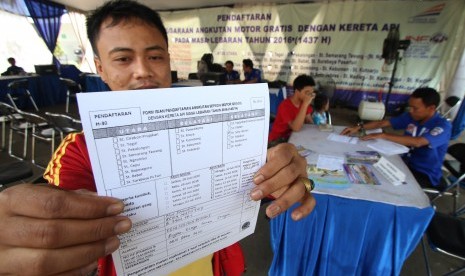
column 118, row 11
column 229, row 62
column 11, row 59
column 303, row 80
column 428, row 96
column 248, row 62
column 208, row 58
column 320, row 101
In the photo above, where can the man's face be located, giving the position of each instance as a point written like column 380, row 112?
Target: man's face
column 418, row 110
column 246, row 69
column 132, row 55
column 307, row 91
column 229, row 67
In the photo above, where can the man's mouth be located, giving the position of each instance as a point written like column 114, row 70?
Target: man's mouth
column 147, row 86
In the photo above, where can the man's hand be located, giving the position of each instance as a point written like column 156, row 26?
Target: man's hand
column 45, row 230
column 350, row 130
column 373, row 136
column 308, row 98
column 279, row 177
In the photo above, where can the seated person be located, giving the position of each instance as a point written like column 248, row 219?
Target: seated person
column 204, row 65
column 232, row 76
column 321, row 106
column 251, row 74
column 426, row 133
column 13, row 70
column 293, row 112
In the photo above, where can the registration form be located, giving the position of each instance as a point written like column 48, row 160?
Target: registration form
column 182, row 160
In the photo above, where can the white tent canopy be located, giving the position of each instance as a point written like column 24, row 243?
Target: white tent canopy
column 86, row 5
column 198, row 14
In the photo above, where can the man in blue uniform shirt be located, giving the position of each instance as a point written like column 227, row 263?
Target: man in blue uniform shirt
column 232, row 76
column 426, row 133
column 13, row 70
column 251, row 74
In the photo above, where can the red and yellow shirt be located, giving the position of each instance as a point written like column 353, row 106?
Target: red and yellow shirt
column 70, row 169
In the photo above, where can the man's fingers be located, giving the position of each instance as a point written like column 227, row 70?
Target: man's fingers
column 49, row 262
column 86, row 271
column 45, row 201
column 307, row 206
column 283, row 167
column 60, row 233
column 275, row 185
column 346, row 131
column 278, row 157
column 296, row 192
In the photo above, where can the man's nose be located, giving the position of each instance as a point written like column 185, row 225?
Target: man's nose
column 142, row 68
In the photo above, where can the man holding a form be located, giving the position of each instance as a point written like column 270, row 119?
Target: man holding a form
column 48, row 230
column 426, row 133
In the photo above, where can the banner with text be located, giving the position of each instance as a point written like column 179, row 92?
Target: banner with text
column 338, row 43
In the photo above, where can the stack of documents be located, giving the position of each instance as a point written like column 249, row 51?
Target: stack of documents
column 390, row 172
column 387, row 147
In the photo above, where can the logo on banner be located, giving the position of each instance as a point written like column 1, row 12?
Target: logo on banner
column 438, row 37
column 428, row 16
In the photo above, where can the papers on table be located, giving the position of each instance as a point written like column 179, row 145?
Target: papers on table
column 327, row 179
column 387, row 147
column 359, row 173
column 325, row 127
column 329, row 162
column 390, row 172
column 342, row 138
column 372, row 131
column 409, row 194
column 182, row 160
column 362, row 156
column 304, row 151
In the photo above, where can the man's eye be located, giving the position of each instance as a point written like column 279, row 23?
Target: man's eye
column 156, row 57
column 122, row 59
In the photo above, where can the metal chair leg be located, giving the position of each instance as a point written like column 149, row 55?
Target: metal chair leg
column 455, row 272
column 10, row 145
column 460, row 211
column 25, row 141
column 52, row 144
column 423, row 246
column 11, row 100
column 67, row 101
column 3, row 134
column 10, row 142
column 32, row 100
column 33, row 145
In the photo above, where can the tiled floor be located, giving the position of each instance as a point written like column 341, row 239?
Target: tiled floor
column 257, row 246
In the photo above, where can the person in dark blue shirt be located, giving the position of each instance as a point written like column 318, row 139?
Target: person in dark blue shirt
column 231, row 75
column 251, row 74
column 13, row 70
column 425, row 132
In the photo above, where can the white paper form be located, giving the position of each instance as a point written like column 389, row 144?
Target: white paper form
column 342, row 138
column 182, row 160
column 330, row 162
column 387, row 147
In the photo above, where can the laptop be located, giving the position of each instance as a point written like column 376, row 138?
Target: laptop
column 48, row 69
column 174, row 76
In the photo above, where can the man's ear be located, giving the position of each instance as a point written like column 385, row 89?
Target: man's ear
column 99, row 68
column 431, row 108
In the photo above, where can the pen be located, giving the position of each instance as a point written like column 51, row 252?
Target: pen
column 326, row 172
